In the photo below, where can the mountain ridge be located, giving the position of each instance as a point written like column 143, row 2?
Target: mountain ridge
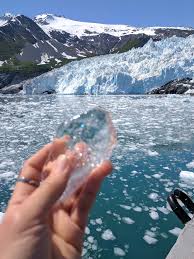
column 48, row 37
column 36, row 46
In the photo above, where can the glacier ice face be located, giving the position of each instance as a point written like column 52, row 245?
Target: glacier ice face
column 134, row 72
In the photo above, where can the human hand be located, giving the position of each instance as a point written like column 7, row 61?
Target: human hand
column 38, row 226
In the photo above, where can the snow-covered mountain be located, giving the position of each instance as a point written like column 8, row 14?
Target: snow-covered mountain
column 50, row 22
column 52, row 38
column 134, row 72
column 5, row 18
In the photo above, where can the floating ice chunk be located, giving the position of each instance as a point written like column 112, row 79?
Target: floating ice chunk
column 167, row 189
column 164, row 235
column 3, row 165
column 157, row 176
column 117, row 216
column 137, row 208
column 7, row 175
column 147, row 176
column 154, row 228
column 94, row 247
column 133, row 172
column 190, row 165
column 90, row 239
column 99, row 221
column 108, row 235
column 87, row 231
column 84, row 251
column 119, row 252
column 175, row 231
column 96, row 130
column 163, row 210
column 187, row 177
column 150, row 240
column 93, row 222
column 86, row 243
column 126, row 207
column 150, row 233
column 152, row 153
column 98, row 229
column 154, row 215
column 153, row 196
column 128, row 220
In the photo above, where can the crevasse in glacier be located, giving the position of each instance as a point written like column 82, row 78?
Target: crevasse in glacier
column 134, row 72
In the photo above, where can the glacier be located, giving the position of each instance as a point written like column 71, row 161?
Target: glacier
column 134, row 72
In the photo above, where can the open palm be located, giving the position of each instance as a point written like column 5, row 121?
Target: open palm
column 37, row 225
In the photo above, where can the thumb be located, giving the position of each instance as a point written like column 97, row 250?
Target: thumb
column 53, row 186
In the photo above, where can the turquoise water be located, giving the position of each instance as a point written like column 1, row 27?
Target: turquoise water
column 155, row 143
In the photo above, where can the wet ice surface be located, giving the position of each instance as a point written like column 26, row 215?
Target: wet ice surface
column 96, row 130
column 155, row 144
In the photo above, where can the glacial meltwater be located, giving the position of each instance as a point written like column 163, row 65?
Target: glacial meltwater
column 154, row 155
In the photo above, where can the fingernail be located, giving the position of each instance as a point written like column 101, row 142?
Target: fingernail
column 62, row 162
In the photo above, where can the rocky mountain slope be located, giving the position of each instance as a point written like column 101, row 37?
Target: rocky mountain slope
column 54, row 38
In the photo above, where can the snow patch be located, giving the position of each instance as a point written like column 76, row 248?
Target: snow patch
column 55, row 49
column 44, row 59
column 67, row 56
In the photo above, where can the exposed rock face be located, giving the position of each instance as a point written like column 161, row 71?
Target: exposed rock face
column 18, row 32
column 179, row 86
column 12, row 89
column 14, row 78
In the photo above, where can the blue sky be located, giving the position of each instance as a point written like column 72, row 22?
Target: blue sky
column 132, row 12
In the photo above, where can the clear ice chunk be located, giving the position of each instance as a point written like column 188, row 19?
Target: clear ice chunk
column 96, row 130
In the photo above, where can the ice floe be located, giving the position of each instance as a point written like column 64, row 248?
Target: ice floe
column 108, row 235
column 175, row 231
column 118, row 251
column 128, row 220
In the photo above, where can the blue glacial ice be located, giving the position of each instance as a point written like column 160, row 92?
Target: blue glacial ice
column 134, row 72
column 96, row 130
